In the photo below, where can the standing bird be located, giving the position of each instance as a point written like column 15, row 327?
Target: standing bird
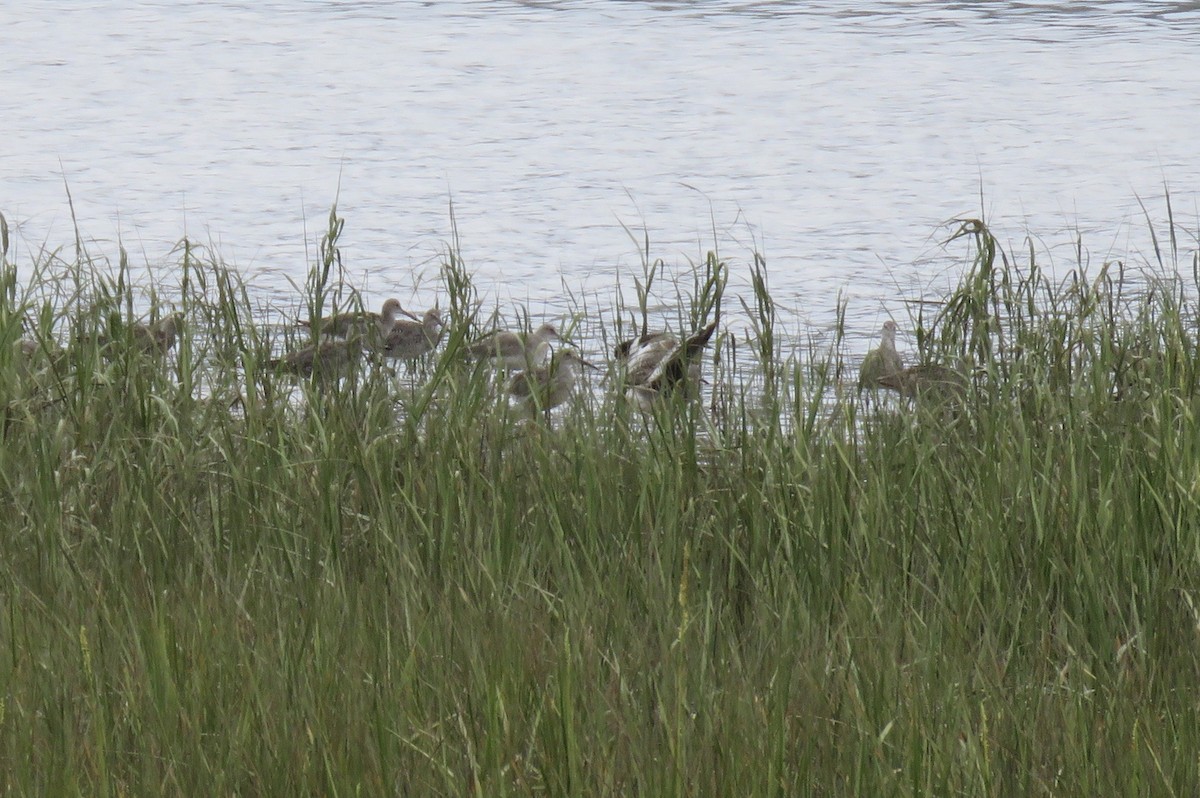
column 327, row 360
column 662, row 364
column 546, row 387
column 358, row 323
column 514, row 350
column 411, row 340
column 881, row 361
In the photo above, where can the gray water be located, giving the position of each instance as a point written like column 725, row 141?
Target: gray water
column 834, row 137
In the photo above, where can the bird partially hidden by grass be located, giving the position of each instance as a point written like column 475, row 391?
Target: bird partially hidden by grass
column 31, row 356
column 324, row 360
column 514, row 350
column 160, row 336
column 411, row 340
column 358, row 324
column 623, row 349
column 658, row 365
column 156, row 338
column 546, row 387
column 929, row 383
column 881, row 361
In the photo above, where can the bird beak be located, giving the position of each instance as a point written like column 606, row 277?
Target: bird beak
column 589, row 364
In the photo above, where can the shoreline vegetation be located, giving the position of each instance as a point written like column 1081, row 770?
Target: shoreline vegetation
column 222, row 580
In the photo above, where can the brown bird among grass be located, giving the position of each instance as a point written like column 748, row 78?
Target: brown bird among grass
column 513, row 350
column 358, row 323
column 881, row 361
column 929, row 382
column 156, row 338
column 27, row 356
column 411, row 340
column 546, row 387
column 623, row 349
column 661, row 365
column 327, row 360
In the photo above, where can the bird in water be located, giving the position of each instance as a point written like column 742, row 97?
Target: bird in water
column 357, row 323
column 621, row 350
column 156, row 338
column 929, row 382
column 882, row 360
column 514, row 350
column 658, row 364
column 327, row 360
column 548, row 386
column 411, row 340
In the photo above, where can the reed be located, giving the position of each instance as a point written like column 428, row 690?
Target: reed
column 219, row 582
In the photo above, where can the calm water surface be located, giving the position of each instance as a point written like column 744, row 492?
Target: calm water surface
column 834, row 137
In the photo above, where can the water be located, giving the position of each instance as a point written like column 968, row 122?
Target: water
column 833, row 139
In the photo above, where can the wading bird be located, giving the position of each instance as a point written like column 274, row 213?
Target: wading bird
column 328, row 360
column 881, row 361
column 27, row 356
column 155, row 338
column 546, row 387
column 929, row 383
column 621, row 350
column 513, row 350
column 357, row 323
column 412, row 340
column 659, row 365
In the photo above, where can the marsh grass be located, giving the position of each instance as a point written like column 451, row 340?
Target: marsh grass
column 218, row 583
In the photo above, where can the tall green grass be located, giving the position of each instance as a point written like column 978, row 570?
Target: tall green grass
column 215, row 582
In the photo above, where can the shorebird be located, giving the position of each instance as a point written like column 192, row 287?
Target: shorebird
column 25, row 348
column 410, row 340
column 358, row 323
column 882, row 360
column 931, row 382
column 326, row 359
column 24, row 355
column 515, row 350
column 621, row 350
column 662, row 364
column 155, row 338
column 546, row 387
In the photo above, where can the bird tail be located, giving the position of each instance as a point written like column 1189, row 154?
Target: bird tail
column 698, row 341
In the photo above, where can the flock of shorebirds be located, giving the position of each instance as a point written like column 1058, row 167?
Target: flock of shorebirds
column 651, row 365
column 540, row 371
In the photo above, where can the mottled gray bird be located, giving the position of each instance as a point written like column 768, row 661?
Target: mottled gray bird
column 411, row 340
column 882, row 360
column 662, row 365
column 514, row 350
column 358, row 323
column 928, row 382
column 155, row 338
column 328, row 360
column 623, row 349
column 546, row 387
